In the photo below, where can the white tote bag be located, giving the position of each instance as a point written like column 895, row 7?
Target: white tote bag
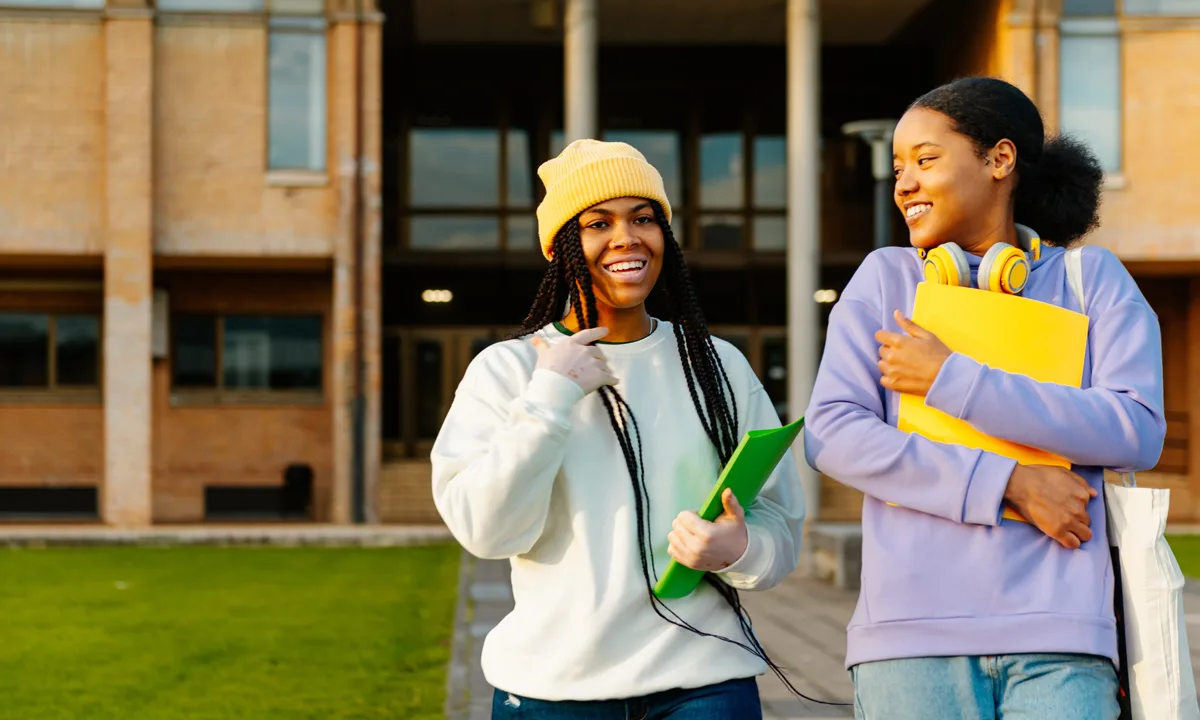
column 1155, row 653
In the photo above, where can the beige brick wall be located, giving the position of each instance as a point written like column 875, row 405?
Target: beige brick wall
column 213, row 194
column 405, row 494
column 199, row 443
column 1156, row 216
column 52, row 115
column 52, row 444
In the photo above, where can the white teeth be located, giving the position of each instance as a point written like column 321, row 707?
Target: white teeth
column 624, row 266
column 917, row 209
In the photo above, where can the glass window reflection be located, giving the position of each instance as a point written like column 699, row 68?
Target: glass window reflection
column 770, row 171
column 661, row 148
column 1181, row 8
column 24, row 361
column 522, row 233
column 721, row 232
column 721, row 171
column 1093, row 7
column 770, row 232
column 1090, row 94
column 520, row 180
column 454, row 232
column 454, row 167
column 77, row 350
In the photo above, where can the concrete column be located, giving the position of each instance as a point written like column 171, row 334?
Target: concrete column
column 580, row 51
column 803, row 218
column 372, row 260
column 128, row 254
column 343, row 57
column 355, row 55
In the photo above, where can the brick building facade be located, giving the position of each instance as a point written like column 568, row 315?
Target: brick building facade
column 229, row 228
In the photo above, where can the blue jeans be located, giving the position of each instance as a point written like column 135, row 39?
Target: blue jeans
column 1004, row 687
column 732, row 699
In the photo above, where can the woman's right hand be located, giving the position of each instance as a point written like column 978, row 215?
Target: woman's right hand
column 575, row 358
column 1055, row 500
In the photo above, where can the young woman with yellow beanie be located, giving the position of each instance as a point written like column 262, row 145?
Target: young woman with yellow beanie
column 578, row 450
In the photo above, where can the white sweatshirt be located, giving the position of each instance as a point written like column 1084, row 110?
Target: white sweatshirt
column 525, row 467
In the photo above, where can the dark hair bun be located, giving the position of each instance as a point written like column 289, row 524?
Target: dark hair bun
column 1058, row 179
column 1059, row 195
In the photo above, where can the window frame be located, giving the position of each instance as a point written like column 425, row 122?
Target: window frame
column 218, row 394
column 53, row 393
column 1107, row 27
column 502, row 212
column 313, row 25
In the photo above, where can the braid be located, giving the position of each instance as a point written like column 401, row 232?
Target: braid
column 708, row 384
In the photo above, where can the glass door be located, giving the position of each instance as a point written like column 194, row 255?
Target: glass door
column 422, row 369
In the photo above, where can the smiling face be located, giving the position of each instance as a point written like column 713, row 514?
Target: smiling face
column 946, row 190
column 623, row 245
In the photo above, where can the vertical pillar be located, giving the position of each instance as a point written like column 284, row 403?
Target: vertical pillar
column 356, row 110
column 345, row 133
column 803, row 217
column 372, row 291
column 579, row 64
column 129, row 246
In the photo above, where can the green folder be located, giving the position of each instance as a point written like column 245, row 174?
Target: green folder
column 746, row 472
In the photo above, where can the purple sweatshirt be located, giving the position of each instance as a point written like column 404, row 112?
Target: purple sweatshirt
column 942, row 575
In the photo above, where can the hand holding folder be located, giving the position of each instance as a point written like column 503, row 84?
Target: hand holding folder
column 1006, row 332
column 747, row 471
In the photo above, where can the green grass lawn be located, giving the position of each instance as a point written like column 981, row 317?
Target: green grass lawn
column 205, row 632
column 1187, row 551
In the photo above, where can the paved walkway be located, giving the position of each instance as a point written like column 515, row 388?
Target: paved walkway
column 810, row 652
column 802, row 623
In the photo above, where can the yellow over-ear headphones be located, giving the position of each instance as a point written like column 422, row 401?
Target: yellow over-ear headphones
column 1003, row 269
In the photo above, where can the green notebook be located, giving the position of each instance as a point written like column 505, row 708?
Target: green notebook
column 747, row 471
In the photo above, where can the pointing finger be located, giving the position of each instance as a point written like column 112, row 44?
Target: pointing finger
column 589, row 336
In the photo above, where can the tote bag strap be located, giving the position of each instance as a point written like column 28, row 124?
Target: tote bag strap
column 1074, row 260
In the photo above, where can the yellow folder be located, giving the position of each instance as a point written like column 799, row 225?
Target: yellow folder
column 1006, row 332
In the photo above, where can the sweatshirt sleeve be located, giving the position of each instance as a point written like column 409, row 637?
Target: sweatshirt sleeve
column 775, row 520
column 847, row 436
column 1117, row 422
column 498, row 453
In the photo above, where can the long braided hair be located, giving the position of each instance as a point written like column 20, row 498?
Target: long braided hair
column 568, row 279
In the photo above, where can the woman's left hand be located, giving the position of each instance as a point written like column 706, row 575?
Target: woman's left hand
column 910, row 363
column 710, row 546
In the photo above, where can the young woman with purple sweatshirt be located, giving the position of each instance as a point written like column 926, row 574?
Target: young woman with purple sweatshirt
column 962, row 614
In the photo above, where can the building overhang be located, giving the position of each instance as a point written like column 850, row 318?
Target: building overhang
column 658, row 22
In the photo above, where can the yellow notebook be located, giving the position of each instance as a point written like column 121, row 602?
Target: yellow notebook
column 1006, row 332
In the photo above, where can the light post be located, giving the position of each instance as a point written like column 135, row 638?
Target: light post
column 878, row 134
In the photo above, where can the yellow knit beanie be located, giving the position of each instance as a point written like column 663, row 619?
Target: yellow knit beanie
column 587, row 173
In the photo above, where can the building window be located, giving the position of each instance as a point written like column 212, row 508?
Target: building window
column 248, row 353
column 1090, row 78
column 470, row 187
column 770, row 193
column 1177, row 8
column 662, row 149
column 41, row 351
column 722, row 188
column 296, row 93
column 58, row 4
column 221, row 6
column 1090, row 7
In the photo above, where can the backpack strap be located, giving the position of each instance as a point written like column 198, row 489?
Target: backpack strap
column 1074, row 260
